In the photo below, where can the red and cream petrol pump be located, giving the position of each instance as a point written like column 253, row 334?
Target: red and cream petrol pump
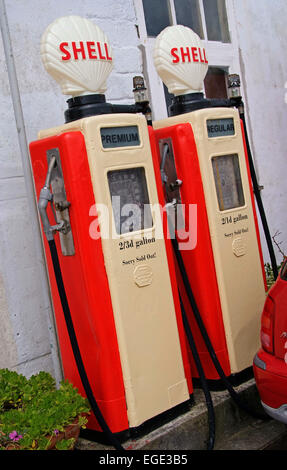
column 204, row 163
column 116, row 263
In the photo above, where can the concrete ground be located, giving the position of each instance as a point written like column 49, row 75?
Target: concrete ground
column 235, row 429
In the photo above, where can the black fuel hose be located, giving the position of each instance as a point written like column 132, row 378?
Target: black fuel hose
column 189, row 335
column 206, row 391
column 259, row 199
column 76, row 350
column 233, row 394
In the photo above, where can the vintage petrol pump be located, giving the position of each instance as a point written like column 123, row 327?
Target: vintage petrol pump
column 97, row 172
column 204, row 163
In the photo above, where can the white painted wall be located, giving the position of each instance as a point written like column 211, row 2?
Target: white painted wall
column 262, row 38
column 24, row 338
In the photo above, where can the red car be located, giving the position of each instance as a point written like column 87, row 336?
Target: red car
column 270, row 363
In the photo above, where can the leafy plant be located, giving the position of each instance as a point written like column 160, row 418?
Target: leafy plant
column 33, row 412
column 65, row 444
column 269, row 274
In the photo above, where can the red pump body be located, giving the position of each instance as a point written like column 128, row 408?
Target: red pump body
column 87, row 285
column 201, row 258
column 193, row 151
column 101, row 357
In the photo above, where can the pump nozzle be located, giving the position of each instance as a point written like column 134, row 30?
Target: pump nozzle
column 45, row 197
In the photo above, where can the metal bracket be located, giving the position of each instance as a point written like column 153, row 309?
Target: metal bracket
column 61, row 205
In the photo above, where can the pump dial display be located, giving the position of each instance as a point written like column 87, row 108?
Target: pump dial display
column 130, row 200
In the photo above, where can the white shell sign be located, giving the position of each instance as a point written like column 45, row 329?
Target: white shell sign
column 180, row 60
column 77, row 54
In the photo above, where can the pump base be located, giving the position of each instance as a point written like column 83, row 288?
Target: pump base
column 143, row 429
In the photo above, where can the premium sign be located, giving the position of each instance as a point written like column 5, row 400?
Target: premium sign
column 113, row 137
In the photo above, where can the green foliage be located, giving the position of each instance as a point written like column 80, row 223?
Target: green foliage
column 16, row 391
column 65, row 444
column 34, row 409
column 269, row 274
column 11, row 387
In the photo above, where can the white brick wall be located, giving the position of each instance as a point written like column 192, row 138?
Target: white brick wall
column 262, row 40
column 24, row 338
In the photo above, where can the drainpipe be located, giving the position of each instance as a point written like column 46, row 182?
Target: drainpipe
column 22, row 139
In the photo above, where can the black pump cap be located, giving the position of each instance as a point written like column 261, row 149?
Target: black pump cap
column 186, row 103
column 85, row 106
column 193, row 102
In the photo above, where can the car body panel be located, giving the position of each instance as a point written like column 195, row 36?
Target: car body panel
column 270, row 370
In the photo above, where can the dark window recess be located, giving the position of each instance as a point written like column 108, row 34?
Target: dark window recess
column 216, row 20
column 215, row 83
column 157, row 16
column 188, row 14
